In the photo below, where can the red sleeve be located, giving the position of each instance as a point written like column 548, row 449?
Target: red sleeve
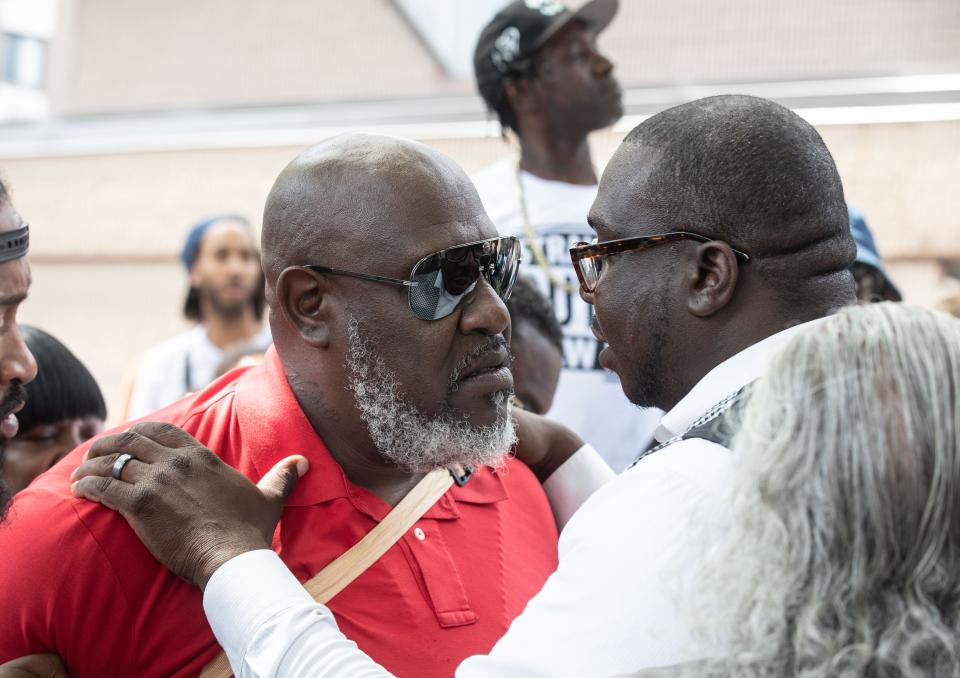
column 60, row 591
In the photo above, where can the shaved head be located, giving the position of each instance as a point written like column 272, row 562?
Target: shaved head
column 352, row 195
column 749, row 175
column 751, row 172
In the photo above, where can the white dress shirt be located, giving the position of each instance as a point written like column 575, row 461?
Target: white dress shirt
column 611, row 608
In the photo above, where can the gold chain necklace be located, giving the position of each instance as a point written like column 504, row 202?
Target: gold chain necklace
column 533, row 242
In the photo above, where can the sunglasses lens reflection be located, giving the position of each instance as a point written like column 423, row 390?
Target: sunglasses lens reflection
column 445, row 277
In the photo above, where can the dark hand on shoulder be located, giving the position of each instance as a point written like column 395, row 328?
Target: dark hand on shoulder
column 191, row 510
column 543, row 444
column 34, row 666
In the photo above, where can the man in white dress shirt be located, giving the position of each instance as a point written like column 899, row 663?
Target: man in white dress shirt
column 723, row 231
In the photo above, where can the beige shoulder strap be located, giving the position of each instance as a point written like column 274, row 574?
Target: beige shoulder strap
column 336, row 576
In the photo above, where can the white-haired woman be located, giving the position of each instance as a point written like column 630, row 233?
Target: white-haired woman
column 841, row 556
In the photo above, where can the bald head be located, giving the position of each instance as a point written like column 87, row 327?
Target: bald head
column 748, row 171
column 355, row 195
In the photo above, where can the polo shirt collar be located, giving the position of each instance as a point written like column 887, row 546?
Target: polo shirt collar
column 723, row 380
column 273, row 427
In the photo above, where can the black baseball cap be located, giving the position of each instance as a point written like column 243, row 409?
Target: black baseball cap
column 511, row 39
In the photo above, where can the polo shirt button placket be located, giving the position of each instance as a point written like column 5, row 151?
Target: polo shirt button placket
column 419, row 534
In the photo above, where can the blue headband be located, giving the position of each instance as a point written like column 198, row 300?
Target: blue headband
column 867, row 252
column 188, row 255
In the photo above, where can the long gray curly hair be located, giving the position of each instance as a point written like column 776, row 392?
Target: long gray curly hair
column 842, row 554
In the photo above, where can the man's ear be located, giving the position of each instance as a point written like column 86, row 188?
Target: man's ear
column 712, row 279
column 302, row 296
column 518, row 93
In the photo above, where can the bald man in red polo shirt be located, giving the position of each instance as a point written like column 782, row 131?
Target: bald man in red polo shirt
column 375, row 381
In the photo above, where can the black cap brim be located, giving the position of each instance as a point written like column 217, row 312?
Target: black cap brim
column 596, row 14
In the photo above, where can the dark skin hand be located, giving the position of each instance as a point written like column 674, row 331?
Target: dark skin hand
column 194, row 512
column 543, row 444
column 34, row 666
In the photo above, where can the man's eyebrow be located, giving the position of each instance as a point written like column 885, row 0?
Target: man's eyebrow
column 13, row 299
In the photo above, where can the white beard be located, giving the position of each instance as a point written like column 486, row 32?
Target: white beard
column 408, row 438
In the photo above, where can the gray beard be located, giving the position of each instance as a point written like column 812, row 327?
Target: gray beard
column 408, row 438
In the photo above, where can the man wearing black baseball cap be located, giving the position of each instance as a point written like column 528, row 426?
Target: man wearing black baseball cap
column 539, row 71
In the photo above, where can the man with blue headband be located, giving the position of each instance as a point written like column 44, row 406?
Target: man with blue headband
column 225, row 300
column 17, row 366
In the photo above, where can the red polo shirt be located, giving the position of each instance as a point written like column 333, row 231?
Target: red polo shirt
column 76, row 581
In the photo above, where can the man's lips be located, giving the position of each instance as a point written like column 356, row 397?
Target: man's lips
column 611, row 89
column 9, row 426
column 597, row 332
column 488, row 373
column 233, row 290
column 489, row 362
column 604, row 358
column 605, row 354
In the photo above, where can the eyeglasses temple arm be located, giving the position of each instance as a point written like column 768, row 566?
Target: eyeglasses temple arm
column 364, row 276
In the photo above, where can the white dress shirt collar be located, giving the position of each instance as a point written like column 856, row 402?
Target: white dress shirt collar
column 723, row 380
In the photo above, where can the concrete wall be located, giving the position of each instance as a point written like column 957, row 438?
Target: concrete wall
column 145, row 55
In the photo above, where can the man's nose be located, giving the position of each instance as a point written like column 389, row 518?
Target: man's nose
column 16, row 361
column 236, row 264
column 602, row 66
column 484, row 311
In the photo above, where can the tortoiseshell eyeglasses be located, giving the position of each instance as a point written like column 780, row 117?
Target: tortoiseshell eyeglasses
column 588, row 258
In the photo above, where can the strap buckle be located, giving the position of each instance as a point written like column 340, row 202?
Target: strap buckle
column 460, row 474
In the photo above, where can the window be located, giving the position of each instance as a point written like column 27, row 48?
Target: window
column 23, row 61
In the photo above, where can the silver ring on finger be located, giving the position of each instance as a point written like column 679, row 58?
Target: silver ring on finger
column 118, row 465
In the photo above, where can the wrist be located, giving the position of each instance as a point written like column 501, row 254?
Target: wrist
column 563, row 444
column 218, row 555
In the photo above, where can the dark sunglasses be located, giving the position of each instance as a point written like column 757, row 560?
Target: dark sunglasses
column 588, row 258
column 440, row 280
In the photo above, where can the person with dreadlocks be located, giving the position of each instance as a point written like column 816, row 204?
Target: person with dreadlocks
column 225, row 300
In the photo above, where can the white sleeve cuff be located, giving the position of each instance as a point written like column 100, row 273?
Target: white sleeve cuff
column 572, row 484
column 244, row 593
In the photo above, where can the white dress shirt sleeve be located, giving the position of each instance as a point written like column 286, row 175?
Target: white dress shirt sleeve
column 269, row 625
column 607, row 610
column 572, row 484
